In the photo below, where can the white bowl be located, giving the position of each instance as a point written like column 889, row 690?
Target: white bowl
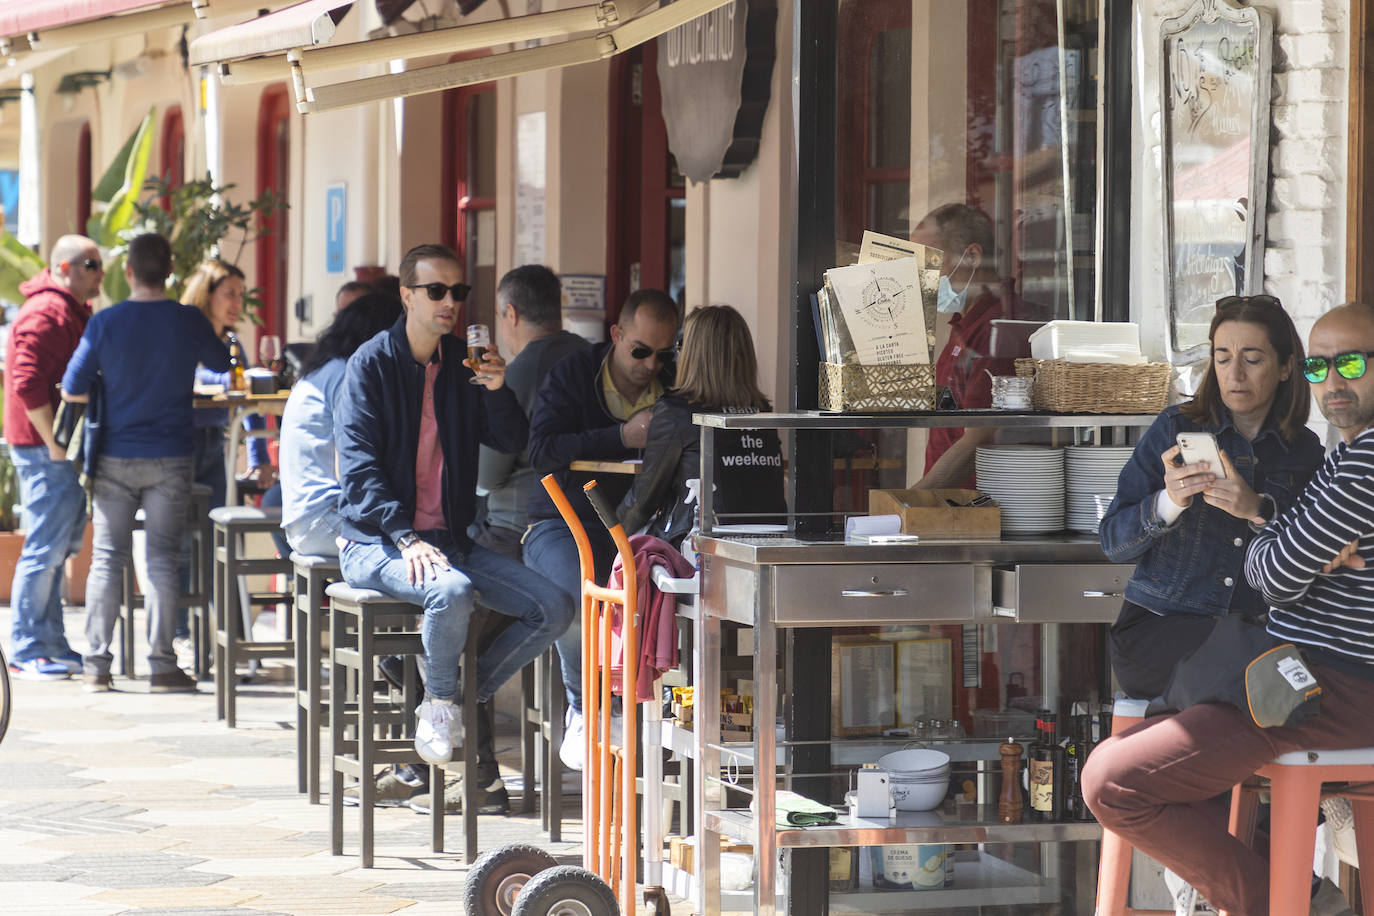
column 919, row 796
column 913, row 760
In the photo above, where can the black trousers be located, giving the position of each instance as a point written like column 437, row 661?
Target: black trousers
column 1146, row 646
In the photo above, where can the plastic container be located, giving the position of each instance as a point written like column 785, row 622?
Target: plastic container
column 911, row 868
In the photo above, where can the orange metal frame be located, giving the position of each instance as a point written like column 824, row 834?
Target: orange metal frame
column 609, row 828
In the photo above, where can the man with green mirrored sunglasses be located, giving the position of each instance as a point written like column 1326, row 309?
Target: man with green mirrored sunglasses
column 1349, row 366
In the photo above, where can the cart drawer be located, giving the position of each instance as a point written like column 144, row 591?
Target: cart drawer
column 842, row 594
column 1060, row 592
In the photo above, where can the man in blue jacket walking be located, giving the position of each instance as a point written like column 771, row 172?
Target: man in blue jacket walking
column 410, row 418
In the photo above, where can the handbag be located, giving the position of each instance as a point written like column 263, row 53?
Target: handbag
column 1241, row 663
column 68, row 419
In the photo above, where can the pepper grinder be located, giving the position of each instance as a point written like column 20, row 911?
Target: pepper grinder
column 1009, row 805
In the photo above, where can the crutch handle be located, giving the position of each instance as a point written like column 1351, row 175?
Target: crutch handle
column 604, row 510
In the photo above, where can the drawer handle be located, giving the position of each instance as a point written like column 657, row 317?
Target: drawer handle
column 873, row 593
column 1094, row 593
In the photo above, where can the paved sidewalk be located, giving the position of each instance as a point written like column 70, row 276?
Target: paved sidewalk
column 128, row 802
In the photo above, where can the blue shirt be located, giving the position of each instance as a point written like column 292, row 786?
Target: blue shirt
column 309, row 487
column 1196, row 564
column 145, row 352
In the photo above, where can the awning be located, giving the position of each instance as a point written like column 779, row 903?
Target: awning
column 304, row 25
column 49, row 24
column 12, row 68
column 617, row 27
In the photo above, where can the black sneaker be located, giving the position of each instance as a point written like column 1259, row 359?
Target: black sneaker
column 393, row 668
column 495, row 799
column 174, row 681
column 392, row 790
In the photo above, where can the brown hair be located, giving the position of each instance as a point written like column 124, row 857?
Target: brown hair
column 203, row 283
column 150, row 259
column 424, row 253
column 1292, row 400
column 717, row 369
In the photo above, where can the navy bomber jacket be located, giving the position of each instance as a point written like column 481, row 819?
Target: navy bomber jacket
column 377, row 427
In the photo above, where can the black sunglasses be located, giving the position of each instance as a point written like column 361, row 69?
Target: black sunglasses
column 436, row 291
column 90, row 263
column 1261, row 301
column 1348, row 366
column 644, row 351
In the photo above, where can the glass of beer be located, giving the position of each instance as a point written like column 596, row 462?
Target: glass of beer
column 479, row 341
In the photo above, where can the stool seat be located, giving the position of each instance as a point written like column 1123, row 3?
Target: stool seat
column 1355, row 756
column 242, row 515
column 345, row 592
column 312, row 561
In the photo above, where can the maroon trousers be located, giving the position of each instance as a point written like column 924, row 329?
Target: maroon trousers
column 1153, row 783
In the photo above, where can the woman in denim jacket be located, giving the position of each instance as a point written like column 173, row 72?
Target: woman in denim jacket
column 1186, row 526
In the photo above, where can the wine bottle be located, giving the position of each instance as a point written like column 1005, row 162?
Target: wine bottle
column 1046, row 774
column 1075, row 755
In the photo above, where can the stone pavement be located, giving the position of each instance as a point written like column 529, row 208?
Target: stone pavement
column 130, row 802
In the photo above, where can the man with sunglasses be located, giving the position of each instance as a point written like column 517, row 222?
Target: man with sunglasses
column 42, row 339
column 1314, row 565
column 408, row 422
column 594, row 405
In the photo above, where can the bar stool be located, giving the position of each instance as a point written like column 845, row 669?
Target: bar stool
column 543, row 702
column 365, row 626
column 196, row 598
column 234, row 604
column 1114, row 860
column 1296, row 782
column 311, row 575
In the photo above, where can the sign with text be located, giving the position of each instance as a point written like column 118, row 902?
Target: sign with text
column 584, row 292
column 335, row 227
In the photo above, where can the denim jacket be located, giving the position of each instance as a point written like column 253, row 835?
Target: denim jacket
column 1196, row 565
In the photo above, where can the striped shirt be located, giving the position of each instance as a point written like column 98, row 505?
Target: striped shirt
column 1332, row 613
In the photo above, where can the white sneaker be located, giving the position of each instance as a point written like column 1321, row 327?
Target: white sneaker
column 573, row 750
column 438, row 729
column 1341, row 817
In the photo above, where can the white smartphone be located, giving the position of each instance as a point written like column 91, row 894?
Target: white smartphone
column 1195, row 447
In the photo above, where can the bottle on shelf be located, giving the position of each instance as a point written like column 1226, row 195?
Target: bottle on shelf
column 844, row 868
column 1046, row 773
column 1075, row 755
column 1009, row 803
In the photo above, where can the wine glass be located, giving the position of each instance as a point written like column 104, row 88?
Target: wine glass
column 269, row 352
column 479, row 341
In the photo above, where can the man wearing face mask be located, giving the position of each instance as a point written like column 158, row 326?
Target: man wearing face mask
column 972, row 295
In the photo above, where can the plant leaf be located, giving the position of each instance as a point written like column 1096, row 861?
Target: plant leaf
column 120, row 212
column 17, row 264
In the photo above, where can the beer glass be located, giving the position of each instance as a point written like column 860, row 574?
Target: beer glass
column 479, row 341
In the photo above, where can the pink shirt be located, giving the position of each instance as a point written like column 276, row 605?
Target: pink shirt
column 429, row 461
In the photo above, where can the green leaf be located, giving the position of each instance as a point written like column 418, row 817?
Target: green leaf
column 17, row 264
column 121, row 210
column 113, row 179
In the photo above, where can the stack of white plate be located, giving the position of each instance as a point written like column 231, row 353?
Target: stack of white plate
column 1091, row 472
column 1028, row 483
column 918, row 778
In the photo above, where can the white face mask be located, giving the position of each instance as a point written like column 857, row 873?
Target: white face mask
column 948, row 301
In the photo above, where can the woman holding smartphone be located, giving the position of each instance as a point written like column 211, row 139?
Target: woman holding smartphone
column 1187, row 525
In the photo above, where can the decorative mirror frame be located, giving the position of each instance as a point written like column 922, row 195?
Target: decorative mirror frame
column 1251, row 26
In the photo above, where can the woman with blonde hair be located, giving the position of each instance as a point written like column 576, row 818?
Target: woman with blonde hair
column 717, row 372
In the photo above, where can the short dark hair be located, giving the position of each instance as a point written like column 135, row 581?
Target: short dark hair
column 658, row 304
column 355, row 286
column 1292, row 399
column 536, row 293
column 424, row 253
column 960, row 226
column 150, row 259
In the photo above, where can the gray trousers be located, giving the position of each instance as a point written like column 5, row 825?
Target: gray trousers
column 162, row 488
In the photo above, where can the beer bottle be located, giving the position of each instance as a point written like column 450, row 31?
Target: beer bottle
column 237, row 381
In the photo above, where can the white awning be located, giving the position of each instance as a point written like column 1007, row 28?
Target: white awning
column 91, row 22
column 15, row 67
column 617, row 26
column 303, row 25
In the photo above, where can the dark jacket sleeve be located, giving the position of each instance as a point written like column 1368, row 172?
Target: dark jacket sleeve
column 367, row 496
column 1132, row 524
column 653, row 485
column 505, row 428
column 558, row 435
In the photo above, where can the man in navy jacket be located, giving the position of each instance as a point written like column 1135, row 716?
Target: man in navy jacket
column 411, row 415
column 595, row 404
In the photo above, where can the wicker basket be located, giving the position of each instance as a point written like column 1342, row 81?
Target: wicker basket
column 1066, row 387
column 876, row 388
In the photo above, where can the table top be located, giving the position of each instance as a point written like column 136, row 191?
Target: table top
column 607, row 467
column 242, row 399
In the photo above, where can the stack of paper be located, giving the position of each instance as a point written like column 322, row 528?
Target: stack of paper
column 880, row 311
column 1089, row 342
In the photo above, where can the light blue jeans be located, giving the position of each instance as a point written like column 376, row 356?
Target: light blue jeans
column 54, row 524
column 541, row 610
column 162, row 487
column 551, row 551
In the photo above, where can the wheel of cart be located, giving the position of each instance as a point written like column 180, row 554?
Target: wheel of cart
column 516, row 880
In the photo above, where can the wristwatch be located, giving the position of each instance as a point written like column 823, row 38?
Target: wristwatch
column 1268, row 510
column 406, row 540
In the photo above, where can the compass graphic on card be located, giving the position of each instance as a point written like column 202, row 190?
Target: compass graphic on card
column 885, row 300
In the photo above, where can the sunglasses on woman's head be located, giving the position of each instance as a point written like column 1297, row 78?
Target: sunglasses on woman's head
column 1348, row 366
column 1262, row 301
column 644, row 351
column 436, row 291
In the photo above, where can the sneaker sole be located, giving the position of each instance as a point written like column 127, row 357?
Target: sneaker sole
column 177, row 689
column 23, row 675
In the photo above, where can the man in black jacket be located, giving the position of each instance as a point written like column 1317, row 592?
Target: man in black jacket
column 409, row 420
column 594, row 405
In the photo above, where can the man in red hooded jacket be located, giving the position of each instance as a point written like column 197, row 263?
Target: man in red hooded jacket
column 41, row 342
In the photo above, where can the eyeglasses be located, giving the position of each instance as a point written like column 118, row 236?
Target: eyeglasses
column 436, row 291
column 644, row 351
column 1261, row 301
column 1348, row 366
column 90, row 263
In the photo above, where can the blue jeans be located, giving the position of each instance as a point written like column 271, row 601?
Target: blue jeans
column 551, row 551
column 540, row 609
column 54, row 524
column 162, row 487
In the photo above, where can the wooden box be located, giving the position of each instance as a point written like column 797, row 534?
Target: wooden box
column 927, row 513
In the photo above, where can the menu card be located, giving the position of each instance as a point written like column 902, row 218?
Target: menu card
column 881, row 309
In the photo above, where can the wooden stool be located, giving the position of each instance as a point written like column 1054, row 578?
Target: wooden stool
column 1296, row 782
column 196, row 598
column 312, row 574
column 234, row 605
column 1114, row 860
column 543, row 701
column 365, row 626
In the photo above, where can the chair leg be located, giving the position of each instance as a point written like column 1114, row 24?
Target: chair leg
column 338, row 677
column 300, row 591
column 1294, row 797
column 528, row 736
column 469, row 713
column 367, row 782
column 313, row 630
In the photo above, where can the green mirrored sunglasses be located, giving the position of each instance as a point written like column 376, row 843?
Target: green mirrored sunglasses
column 1350, row 366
